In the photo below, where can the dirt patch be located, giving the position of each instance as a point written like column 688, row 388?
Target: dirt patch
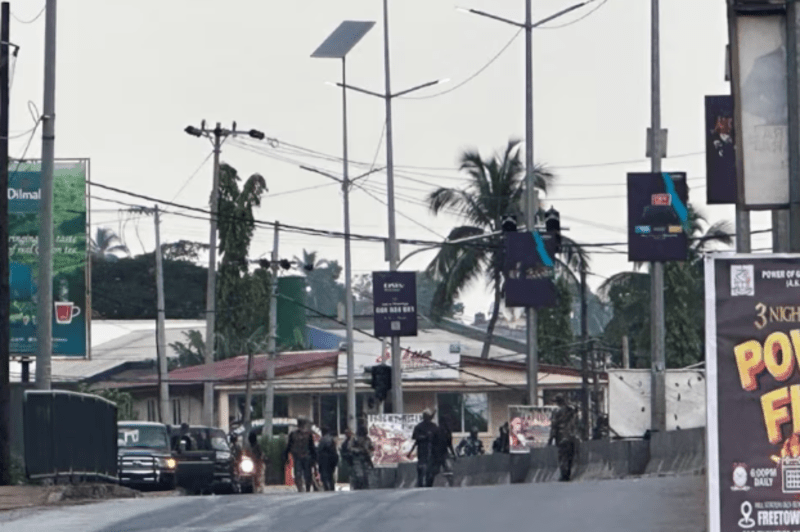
column 18, row 497
column 97, row 492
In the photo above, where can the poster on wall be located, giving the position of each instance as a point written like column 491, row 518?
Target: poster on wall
column 69, row 256
column 528, row 427
column 721, row 188
column 753, row 395
column 391, row 436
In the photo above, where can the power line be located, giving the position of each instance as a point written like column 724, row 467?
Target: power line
column 34, row 19
column 570, row 23
column 189, row 180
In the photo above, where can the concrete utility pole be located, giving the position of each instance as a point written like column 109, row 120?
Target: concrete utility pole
column 5, row 300
column 658, row 406
column 584, row 356
column 217, row 137
column 626, row 354
column 161, row 333
column 269, row 399
column 44, row 289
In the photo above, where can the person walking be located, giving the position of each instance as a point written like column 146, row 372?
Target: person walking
column 445, row 454
column 564, row 432
column 424, row 436
column 471, row 445
column 361, row 450
column 304, row 455
column 258, row 461
column 327, row 459
column 502, row 444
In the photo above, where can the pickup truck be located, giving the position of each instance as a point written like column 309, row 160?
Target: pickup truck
column 144, row 455
column 205, row 463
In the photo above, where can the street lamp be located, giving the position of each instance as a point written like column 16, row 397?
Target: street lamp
column 337, row 46
column 393, row 251
column 217, row 136
column 530, row 190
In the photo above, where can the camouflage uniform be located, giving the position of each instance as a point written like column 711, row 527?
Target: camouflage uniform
column 564, row 430
column 470, row 446
column 360, row 450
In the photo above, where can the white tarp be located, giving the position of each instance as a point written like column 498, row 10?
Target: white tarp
column 629, row 400
column 391, row 436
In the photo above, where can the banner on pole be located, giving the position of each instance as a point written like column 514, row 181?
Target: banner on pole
column 391, row 436
column 69, row 256
column 528, row 427
column 753, row 399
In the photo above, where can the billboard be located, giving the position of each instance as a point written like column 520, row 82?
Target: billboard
column 394, row 303
column 760, row 84
column 721, row 186
column 658, row 218
column 70, row 313
column 529, row 270
column 391, row 436
column 432, row 362
column 753, row 395
column 528, row 427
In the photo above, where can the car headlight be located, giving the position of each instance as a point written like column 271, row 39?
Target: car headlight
column 168, row 463
column 247, row 465
column 223, row 455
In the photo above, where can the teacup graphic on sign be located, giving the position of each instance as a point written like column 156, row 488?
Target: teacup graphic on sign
column 65, row 311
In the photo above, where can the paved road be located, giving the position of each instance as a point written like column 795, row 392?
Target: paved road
column 642, row 505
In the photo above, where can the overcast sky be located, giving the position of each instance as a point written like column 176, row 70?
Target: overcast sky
column 132, row 75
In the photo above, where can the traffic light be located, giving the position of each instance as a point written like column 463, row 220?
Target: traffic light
column 509, row 224
column 381, row 381
column 552, row 224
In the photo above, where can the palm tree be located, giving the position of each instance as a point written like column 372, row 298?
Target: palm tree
column 309, row 261
column 628, row 293
column 495, row 189
column 105, row 244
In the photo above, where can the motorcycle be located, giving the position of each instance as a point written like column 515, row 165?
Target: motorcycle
column 246, row 473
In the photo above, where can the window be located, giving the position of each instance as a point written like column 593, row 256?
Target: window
column 152, row 410
column 176, row 412
column 462, row 411
column 330, row 411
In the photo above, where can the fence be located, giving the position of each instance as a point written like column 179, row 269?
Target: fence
column 69, row 435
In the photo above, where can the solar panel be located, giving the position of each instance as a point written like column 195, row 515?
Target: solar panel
column 342, row 40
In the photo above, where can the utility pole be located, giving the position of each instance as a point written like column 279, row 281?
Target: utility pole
column 626, row 354
column 248, row 394
column 397, row 363
column 269, row 399
column 584, row 355
column 161, row 333
column 658, row 407
column 596, row 369
column 530, row 204
column 45, row 285
column 217, row 137
column 5, row 300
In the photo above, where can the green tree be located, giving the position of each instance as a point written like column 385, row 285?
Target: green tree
column 495, row 189
column 189, row 353
column 122, row 399
column 242, row 296
column 185, row 250
column 325, row 292
column 554, row 327
column 628, row 294
column 106, row 244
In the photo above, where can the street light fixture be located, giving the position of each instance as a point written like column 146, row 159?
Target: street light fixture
column 217, row 136
column 337, row 46
column 530, row 190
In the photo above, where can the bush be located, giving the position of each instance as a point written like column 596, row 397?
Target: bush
column 272, row 449
column 17, row 471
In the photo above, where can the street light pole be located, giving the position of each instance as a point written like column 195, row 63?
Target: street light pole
column 217, row 137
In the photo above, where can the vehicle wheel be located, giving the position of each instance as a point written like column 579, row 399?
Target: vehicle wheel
column 247, row 488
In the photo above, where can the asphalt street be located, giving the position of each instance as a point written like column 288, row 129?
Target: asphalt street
column 641, row 505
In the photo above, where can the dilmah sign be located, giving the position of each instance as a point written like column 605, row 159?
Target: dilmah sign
column 417, row 364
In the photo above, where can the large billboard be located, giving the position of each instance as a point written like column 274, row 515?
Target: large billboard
column 426, row 362
column 528, row 427
column 761, row 124
column 391, row 436
column 658, row 217
column 529, row 270
column 753, row 394
column 70, row 313
column 721, row 188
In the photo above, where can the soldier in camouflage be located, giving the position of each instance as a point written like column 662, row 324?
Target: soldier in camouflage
column 471, row 445
column 564, row 432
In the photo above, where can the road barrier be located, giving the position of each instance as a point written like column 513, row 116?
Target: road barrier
column 69, row 435
column 677, row 452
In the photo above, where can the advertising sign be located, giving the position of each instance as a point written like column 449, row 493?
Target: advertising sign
column 762, row 110
column 529, row 269
column 69, row 256
column 395, row 303
column 753, row 396
column 528, row 427
column 721, row 186
column 424, row 363
column 657, row 217
column 391, row 436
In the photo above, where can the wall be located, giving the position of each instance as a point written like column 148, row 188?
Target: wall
column 191, row 406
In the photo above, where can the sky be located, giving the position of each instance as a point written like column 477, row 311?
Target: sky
column 132, row 75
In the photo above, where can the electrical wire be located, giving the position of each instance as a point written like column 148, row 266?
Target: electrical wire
column 34, row 19
column 194, row 174
column 570, row 23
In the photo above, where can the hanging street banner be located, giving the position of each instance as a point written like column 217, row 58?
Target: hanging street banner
column 658, row 217
column 394, row 303
column 530, row 269
column 721, row 187
column 425, row 362
column 69, row 256
column 391, row 436
column 528, row 427
column 753, row 395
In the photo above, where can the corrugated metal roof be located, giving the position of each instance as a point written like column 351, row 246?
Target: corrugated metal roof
column 235, row 369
